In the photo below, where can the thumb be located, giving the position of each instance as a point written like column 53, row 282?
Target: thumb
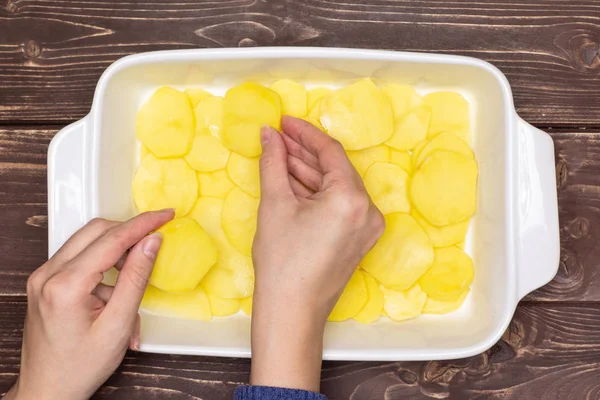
column 274, row 181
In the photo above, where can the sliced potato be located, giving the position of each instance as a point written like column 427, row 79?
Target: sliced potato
column 223, row 307
column 450, row 112
column 209, row 115
column 433, row 306
column 144, row 152
column 245, row 173
column 165, row 123
column 196, row 94
column 246, row 306
column 314, row 115
column 402, row 254
column 188, row 305
column 387, row 183
column 374, row 306
column 450, row 275
column 293, row 97
column 363, row 159
column 207, row 153
column 416, row 151
column 402, row 98
column 447, row 141
column 315, row 95
column 214, row 184
column 353, row 299
column 442, row 236
column 186, row 255
column 240, row 211
column 403, row 305
column 410, row 128
column 401, row 159
column 227, row 284
column 164, row 183
column 444, row 188
column 359, row 116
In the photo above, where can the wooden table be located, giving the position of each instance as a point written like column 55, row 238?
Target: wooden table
column 53, row 52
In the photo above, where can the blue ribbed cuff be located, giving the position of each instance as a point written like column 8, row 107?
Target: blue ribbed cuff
column 274, row 393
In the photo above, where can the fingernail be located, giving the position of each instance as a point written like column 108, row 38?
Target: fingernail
column 152, row 245
column 169, row 210
column 135, row 343
column 265, row 134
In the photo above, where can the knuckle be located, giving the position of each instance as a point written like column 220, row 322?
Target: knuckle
column 378, row 223
column 354, row 206
column 58, row 292
column 100, row 223
column 34, row 282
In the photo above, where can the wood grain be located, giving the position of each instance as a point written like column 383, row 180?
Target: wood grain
column 53, row 52
column 548, row 352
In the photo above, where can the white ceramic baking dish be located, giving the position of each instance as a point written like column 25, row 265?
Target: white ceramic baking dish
column 513, row 239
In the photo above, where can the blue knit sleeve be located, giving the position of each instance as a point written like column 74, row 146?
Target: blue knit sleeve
column 274, row 393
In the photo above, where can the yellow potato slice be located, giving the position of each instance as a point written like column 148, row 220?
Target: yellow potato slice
column 403, row 305
column 144, row 152
column 165, row 123
column 246, row 306
column 450, row 275
column 363, row 159
column 225, row 283
column 359, row 116
column 353, row 299
column 416, row 151
column 447, row 141
column 314, row 115
column 442, row 236
column 410, row 128
column 293, row 97
column 247, row 108
column 209, row 115
column 186, row 255
column 433, row 306
column 387, row 184
column 401, row 159
column 188, row 305
column 196, row 94
column 240, row 211
column 164, row 183
column 402, row 98
column 402, row 254
column 245, row 173
column 372, row 310
column 444, row 188
column 207, row 153
column 214, row 184
column 449, row 112
column 315, row 95
column 223, row 307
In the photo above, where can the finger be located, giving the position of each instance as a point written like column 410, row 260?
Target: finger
column 121, row 261
column 134, row 341
column 103, row 292
column 104, row 253
column 274, row 183
column 296, row 150
column 133, row 279
column 299, row 189
column 308, row 176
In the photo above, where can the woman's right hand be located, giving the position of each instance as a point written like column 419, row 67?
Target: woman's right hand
column 315, row 224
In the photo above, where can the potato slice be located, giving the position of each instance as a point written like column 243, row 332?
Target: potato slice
column 245, row 173
column 227, row 284
column 246, row 306
column 359, row 116
column 164, row 183
column 207, row 153
column 444, row 188
column 403, row 305
column 363, row 159
column 353, row 299
column 223, row 307
column 315, row 95
column 196, row 94
column 247, row 108
column 401, row 159
column 433, row 306
column 144, row 152
column 402, row 98
column 416, row 151
column 240, row 211
column 402, row 254
column 188, row 305
column 214, row 184
column 165, row 123
column 293, row 97
column 450, row 275
column 387, row 184
column 186, row 255
column 449, row 112
column 447, row 141
column 209, row 115
column 410, row 128
column 314, row 115
column 442, row 236
column 372, row 310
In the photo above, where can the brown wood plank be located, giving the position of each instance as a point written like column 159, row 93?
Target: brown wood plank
column 53, row 52
column 548, row 352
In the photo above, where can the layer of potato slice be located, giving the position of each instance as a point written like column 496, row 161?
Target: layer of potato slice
column 353, row 299
column 144, row 152
column 196, row 95
column 374, row 306
column 207, row 153
column 240, row 212
column 443, row 189
column 209, row 115
column 433, row 306
column 442, row 236
column 405, row 304
column 245, row 173
column 363, row 159
column 214, row 184
column 387, row 184
column 246, row 306
column 293, row 97
column 186, row 255
column 227, row 284
column 165, row 123
column 315, row 95
column 402, row 254
column 223, row 307
column 401, row 159
column 410, row 128
column 164, row 183
column 402, row 98
column 189, row 305
column 449, row 112
column 447, row 141
column 359, row 116
column 449, row 276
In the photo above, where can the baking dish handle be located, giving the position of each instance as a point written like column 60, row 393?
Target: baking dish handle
column 66, row 171
column 538, row 242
